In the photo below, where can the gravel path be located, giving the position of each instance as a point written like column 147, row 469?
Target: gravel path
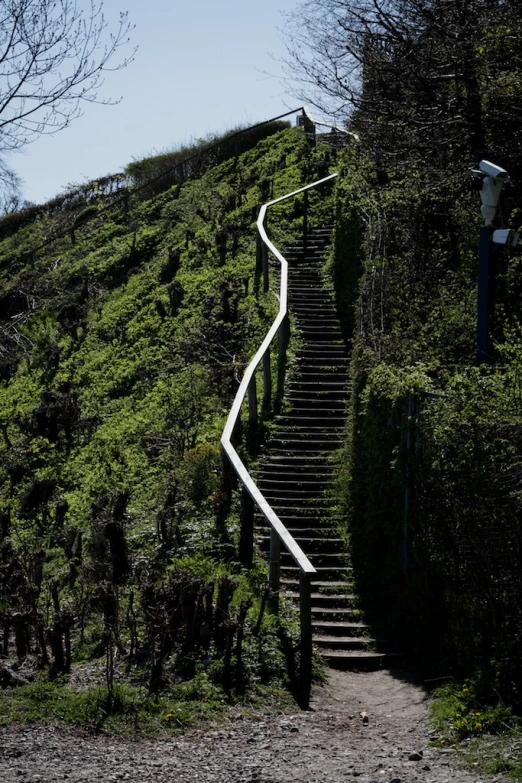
column 328, row 744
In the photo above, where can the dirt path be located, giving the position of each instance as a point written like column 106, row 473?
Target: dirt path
column 329, row 744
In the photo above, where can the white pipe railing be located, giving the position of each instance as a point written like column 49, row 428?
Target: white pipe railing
column 279, row 533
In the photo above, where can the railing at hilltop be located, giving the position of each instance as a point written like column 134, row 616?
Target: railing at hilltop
column 122, row 186
column 118, row 187
column 251, row 494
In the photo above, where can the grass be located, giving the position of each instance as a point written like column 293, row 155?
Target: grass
column 129, row 710
column 487, row 736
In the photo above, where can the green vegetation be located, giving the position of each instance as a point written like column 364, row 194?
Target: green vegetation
column 430, row 493
column 488, row 737
column 158, row 172
column 123, row 340
column 129, row 709
column 429, row 479
column 125, row 334
column 459, row 713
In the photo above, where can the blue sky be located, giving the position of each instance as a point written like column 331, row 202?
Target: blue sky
column 199, row 69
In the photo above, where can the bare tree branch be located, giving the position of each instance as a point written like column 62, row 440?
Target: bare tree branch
column 53, row 57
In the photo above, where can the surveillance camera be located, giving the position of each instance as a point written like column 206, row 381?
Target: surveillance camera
column 489, row 180
column 490, row 170
column 506, row 236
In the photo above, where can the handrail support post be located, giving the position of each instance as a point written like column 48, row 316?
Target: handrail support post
column 252, row 403
column 246, row 533
column 305, row 222
column 284, row 336
column 305, row 618
column 259, row 254
column 266, row 281
column 267, row 380
column 275, row 570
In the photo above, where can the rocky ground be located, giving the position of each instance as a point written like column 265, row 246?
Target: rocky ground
column 330, row 743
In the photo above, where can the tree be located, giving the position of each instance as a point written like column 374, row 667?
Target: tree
column 53, row 57
column 421, row 75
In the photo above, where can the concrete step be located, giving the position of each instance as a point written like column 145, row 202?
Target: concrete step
column 308, row 525
column 326, row 601
column 304, row 523
column 323, row 388
column 301, row 405
column 343, row 642
column 342, row 628
column 339, row 361
column 320, row 585
column 345, row 613
column 324, row 573
column 285, row 471
column 314, row 348
column 309, row 446
column 294, row 500
column 294, row 461
column 307, row 432
column 290, row 492
column 309, row 543
column 339, row 383
column 310, row 486
column 355, row 660
column 333, row 421
column 318, row 559
column 312, row 513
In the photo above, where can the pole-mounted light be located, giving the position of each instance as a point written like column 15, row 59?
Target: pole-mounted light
column 490, row 180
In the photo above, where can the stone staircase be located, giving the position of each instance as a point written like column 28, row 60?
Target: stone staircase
column 295, row 470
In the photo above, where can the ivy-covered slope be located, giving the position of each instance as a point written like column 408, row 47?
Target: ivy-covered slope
column 121, row 348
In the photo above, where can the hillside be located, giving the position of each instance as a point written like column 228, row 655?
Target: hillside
column 126, row 324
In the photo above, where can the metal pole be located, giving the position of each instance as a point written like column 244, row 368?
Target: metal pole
column 485, row 297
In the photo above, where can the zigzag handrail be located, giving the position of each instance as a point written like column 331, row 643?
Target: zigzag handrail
column 306, row 569
column 241, row 470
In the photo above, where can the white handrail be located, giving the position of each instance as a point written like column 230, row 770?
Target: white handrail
column 249, row 484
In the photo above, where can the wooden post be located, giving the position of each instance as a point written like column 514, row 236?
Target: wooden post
column 284, row 336
column 228, row 479
column 259, row 254
column 275, row 569
column 265, row 268
column 305, row 222
column 305, row 612
column 252, row 402
column 267, row 380
column 246, row 533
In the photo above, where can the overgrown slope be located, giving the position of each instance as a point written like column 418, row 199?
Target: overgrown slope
column 122, row 344
column 430, row 477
